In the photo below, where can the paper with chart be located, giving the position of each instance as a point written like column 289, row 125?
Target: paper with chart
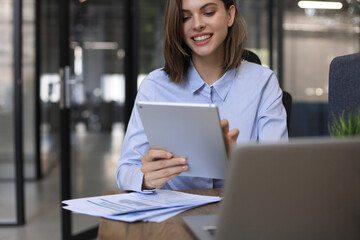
column 135, row 206
column 157, row 215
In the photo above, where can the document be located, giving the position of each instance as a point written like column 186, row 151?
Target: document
column 158, row 215
column 131, row 207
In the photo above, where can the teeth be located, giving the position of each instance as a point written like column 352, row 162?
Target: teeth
column 202, row 38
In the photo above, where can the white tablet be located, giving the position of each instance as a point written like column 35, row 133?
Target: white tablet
column 187, row 130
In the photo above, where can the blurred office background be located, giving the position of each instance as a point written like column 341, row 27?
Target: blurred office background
column 297, row 43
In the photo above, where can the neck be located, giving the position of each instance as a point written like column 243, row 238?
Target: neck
column 209, row 69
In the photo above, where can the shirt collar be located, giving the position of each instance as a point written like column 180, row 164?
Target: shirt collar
column 221, row 86
column 194, row 80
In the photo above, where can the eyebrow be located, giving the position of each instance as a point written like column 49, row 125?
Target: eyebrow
column 202, row 7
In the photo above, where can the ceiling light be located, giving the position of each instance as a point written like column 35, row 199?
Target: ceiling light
column 101, row 45
column 320, row 5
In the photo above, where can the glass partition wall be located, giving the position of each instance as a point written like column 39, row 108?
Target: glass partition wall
column 97, row 97
column 17, row 91
column 258, row 23
column 312, row 39
column 49, row 84
column 151, row 29
column 7, row 147
column 298, row 44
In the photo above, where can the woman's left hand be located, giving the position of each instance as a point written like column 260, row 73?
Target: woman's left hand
column 231, row 136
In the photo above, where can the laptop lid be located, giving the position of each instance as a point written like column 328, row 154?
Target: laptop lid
column 306, row 189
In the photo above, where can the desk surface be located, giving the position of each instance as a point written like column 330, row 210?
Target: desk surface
column 173, row 228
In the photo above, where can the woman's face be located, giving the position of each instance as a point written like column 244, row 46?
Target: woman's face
column 205, row 26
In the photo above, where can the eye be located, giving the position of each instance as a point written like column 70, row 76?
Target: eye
column 185, row 18
column 209, row 13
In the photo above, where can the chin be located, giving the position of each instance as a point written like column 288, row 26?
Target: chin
column 203, row 53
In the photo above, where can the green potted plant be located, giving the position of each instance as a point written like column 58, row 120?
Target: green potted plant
column 345, row 125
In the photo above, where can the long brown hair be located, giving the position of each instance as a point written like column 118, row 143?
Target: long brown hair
column 177, row 54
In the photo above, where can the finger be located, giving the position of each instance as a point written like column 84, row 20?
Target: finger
column 224, row 125
column 160, row 164
column 233, row 134
column 158, row 183
column 153, row 154
column 165, row 173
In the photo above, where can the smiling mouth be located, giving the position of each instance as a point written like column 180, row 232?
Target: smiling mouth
column 201, row 38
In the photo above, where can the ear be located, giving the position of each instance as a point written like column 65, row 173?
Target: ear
column 231, row 15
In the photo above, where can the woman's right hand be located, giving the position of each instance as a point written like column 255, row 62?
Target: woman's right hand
column 160, row 166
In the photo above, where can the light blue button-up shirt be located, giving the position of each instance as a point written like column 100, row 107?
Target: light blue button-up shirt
column 248, row 96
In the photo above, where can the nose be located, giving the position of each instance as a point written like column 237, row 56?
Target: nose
column 199, row 25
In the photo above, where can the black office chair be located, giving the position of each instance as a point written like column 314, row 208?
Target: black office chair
column 286, row 98
column 250, row 57
column 344, row 85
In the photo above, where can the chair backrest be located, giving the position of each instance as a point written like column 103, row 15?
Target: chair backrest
column 287, row 102
column 344, row 85
column 251, row 57
column 286, row 98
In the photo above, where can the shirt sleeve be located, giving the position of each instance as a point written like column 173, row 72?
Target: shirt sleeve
column 272, row 124
column 129, row 176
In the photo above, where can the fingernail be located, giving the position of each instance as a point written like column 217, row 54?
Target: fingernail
column 182, row 160
column 185, row 167
column 168, row 155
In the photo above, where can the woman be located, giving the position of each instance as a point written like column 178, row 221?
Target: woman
column 202, row 49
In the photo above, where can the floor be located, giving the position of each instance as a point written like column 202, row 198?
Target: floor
column 94, row 159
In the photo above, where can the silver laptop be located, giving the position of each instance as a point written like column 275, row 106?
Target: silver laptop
column 305, row 189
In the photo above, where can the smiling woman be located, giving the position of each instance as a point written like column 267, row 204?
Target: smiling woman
column 205, row 30
column 203, row 45
column 220, row 16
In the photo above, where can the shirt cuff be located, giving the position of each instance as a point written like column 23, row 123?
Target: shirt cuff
column 148, row 191
column 140, row 183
